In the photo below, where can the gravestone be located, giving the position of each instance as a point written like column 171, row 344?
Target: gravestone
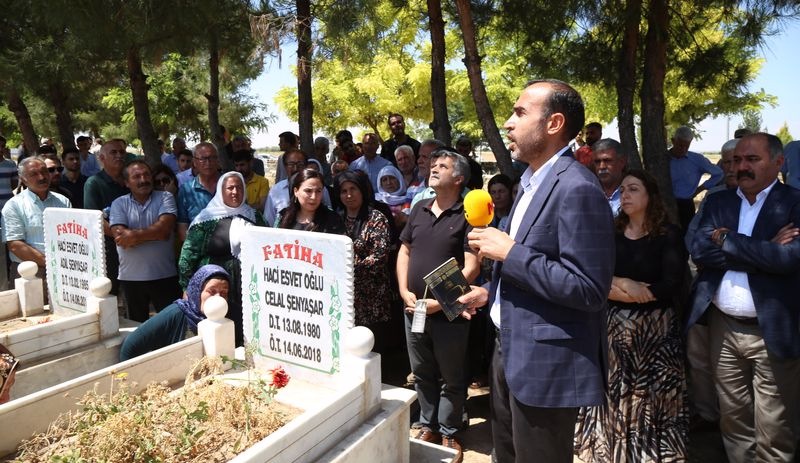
column 297, row 299
column 74, row 254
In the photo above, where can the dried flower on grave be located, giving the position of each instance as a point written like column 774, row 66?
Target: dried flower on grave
column 279, row 377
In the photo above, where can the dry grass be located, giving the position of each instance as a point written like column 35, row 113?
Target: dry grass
column 208, row 421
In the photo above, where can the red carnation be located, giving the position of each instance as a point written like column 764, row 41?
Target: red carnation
column 279, row 377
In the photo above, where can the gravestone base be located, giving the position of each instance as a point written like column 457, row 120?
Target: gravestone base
column 64, row 366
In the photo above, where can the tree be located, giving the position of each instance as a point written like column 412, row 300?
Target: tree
column 783, row 134
column 362, row 74
column 135, row 32
column 441, row 123
column 751, row 120
column 305, row 101
column 225, row 35
column 472, row 61
column 178, row 102
column 652, row 95
column 17, row 106
column 626, row 81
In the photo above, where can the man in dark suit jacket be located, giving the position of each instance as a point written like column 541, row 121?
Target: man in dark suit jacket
column 550, row 284
column 748, row 253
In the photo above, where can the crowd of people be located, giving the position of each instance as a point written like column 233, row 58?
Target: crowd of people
column 593, row 333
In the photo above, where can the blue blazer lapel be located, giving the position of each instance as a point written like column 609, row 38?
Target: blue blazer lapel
column 730, row 212
column 772, row 211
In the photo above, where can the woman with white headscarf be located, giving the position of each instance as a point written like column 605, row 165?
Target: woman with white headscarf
column 214, row 237
column 392, row 192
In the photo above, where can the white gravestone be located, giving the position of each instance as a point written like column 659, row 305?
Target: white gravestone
column 74, row 253
column 297, row 298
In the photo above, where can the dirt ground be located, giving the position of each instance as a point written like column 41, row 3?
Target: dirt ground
column 704, row 446
column 12, row 324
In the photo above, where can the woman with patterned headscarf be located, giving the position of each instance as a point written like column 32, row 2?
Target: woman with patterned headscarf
column 215, row 237
column 172, row 324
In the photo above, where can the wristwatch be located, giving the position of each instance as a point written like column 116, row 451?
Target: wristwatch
column 722, row 237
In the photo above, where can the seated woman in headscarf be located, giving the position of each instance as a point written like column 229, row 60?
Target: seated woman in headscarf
column 392, row 192
column 306, row 210
column 215, row 236
column 180, row 318
column 8, row 372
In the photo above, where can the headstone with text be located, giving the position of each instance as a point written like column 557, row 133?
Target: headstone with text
column 75, row 255
column 297, row 298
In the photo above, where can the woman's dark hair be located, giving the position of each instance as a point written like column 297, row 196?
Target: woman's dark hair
column 289, row 215
column 163, row 169
column 503, row 179
column 655, row 216
column 361, row 181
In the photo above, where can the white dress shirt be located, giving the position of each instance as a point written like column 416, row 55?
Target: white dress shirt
column 529, row 182
column 733, row 296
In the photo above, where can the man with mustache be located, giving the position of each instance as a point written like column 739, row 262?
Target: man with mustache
column 143, row 224
column 23, row 222
column 610, row 164
column 747, row 250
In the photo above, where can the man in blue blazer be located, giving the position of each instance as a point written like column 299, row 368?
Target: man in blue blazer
column 550, row 283
column 747, row 250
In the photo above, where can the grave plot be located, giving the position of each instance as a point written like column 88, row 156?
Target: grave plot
column 345, row 414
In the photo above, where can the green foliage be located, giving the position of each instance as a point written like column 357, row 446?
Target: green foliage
column 8, row 128
column 711, row 58
column 177, row 102
column 354, row 93
column 63, row 42
column 751, row 119
column 783, row 134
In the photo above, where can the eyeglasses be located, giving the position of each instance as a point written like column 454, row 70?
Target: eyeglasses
column 207, row 160
column 296, row 164
column 162, row 181
column 53, row 170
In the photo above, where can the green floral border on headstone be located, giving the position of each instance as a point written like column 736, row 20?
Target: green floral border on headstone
column 335, row 313
column 255, row 303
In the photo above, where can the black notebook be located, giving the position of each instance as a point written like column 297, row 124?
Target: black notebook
column 447, row 284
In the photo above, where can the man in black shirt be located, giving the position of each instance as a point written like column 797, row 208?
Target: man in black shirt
column 72, row 179
column 398, row 127
column 435, row 232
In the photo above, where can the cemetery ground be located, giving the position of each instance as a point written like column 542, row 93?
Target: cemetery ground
column 705, row 445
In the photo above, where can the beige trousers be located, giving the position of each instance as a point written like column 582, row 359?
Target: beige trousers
column 758, row 393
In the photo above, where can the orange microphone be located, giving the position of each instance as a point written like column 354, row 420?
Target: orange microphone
column 478, row 208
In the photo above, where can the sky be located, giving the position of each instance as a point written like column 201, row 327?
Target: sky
column 779, row 75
